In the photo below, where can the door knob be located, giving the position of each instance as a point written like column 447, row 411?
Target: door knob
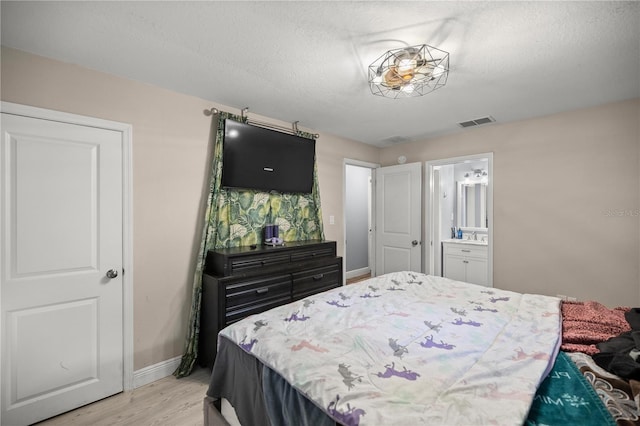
column 112, row 273
column 414, row 243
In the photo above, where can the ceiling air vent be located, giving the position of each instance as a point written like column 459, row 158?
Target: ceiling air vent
column 396, row 139
column 477, row 121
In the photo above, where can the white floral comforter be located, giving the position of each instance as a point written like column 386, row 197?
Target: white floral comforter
column 407, row 349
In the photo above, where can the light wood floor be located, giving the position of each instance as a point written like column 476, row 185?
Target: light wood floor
column 166, row 402
column 358, row 278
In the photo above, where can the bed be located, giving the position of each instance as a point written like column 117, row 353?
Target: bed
column 404, row 348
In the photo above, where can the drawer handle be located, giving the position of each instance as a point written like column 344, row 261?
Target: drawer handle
column 467, row 251
column 262, row 290
column 318, row 277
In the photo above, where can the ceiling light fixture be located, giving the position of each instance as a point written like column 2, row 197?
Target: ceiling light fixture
column 409, row 71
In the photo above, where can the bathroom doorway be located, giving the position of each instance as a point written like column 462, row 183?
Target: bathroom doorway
column 460, row 197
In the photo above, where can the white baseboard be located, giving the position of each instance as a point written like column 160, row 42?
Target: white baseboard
column 357, row 272
column 158, row 371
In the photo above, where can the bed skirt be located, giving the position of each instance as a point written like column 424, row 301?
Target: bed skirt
column 565, row 397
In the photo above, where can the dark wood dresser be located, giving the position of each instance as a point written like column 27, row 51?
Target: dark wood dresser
column 241, row 281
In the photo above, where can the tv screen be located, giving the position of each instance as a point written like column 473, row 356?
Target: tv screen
column 266, row 160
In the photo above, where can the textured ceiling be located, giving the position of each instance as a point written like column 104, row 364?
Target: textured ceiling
column 307, row 61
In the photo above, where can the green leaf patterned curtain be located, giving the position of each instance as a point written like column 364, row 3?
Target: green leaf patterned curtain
column 236, row 218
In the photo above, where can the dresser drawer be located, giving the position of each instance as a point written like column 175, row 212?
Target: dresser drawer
column 242, row 311
column 250, row 297
column 316, row 280
column 254, row 291
column 319, row 252
column 242, row 264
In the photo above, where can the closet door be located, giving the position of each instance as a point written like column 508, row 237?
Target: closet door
column 61, row 267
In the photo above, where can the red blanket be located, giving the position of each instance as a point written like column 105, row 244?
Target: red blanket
column 584, row 324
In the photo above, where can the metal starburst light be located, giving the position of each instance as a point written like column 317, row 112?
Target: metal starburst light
column 409, row 71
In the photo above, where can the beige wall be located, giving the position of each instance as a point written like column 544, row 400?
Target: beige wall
column 559, row 183
column 170, row 150
column 331, row 154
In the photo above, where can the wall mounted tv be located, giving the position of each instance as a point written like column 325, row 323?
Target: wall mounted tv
column 266, row 160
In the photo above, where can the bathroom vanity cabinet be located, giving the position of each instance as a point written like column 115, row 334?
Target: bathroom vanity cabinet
column 465, row 261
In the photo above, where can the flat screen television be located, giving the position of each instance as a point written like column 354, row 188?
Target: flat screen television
column 266, row 160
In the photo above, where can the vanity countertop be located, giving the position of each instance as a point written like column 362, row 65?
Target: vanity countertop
column 463, row 241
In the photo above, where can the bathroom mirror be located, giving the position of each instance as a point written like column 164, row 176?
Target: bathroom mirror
column 471, row 205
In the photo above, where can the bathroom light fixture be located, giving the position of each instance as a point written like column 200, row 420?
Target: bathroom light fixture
column 409, row 71
column 475, row 175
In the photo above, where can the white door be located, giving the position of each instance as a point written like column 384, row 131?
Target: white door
column 62, row 231
column 398, row 218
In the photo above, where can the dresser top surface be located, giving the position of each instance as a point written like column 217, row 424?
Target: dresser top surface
column 270, row 249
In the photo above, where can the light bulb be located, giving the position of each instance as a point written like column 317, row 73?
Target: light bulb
column 407, row 88
column 406, row 66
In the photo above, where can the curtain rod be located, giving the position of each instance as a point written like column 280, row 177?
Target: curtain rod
column 293, row 130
